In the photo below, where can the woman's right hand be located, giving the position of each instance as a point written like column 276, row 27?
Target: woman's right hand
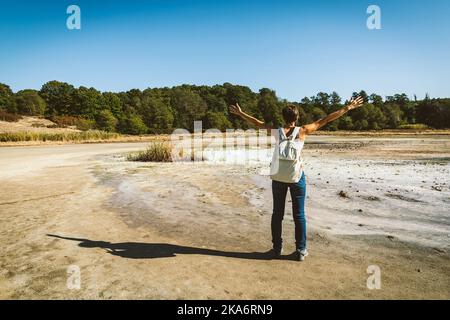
column 236, row 109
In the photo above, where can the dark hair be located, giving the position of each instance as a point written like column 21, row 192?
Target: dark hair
column 290, row 113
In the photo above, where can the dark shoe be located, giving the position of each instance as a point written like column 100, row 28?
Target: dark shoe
column 275, row 253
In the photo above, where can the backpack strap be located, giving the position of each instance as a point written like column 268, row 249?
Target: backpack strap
column 294, row 133
column 292, row 136
column 282, row 134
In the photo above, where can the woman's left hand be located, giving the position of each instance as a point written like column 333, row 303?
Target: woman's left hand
column 355, row 103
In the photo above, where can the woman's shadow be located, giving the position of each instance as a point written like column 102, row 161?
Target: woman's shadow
column 138, row 250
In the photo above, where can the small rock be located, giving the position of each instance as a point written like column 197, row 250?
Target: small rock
column 343, row 194
column 418, row 270
column 360, row 210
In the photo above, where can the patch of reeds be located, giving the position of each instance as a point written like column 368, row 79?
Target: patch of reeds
column 9, row 117
column 415, row 126
column 92, row 135
column 156, row 152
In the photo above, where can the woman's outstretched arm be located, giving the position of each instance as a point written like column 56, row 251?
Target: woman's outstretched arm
column 236, row 109
column 354, row 103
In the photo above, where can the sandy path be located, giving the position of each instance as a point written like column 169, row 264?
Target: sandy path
column 148, row 231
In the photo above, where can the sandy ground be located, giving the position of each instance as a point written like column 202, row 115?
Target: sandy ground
column 200, row 230
column 32, row 124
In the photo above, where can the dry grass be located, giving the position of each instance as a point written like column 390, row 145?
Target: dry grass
column 73, row 122
column 416, row 126
column 59, row 136
column 9, row 117
column 156, row 152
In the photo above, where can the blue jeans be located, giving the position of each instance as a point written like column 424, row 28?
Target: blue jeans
column 298, row 195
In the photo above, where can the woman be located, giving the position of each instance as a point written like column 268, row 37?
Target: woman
column 287, row 171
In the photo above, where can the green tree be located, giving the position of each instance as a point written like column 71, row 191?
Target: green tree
column 393, row 115
column 376, row 100
column 361, row 94
column 361, row 125
column 317, row 113
column 88, row 102
column 160, row 109
column 303, row 117
column 307, row 105
column 132, row 124
column 375, row 117
column 112, row 101
column 345, row 123
column 270, row 107
column 358, row 116
column 188, row 107
column 217, row 120
column 60, row 98
column 156, row 113
column 322, row 101
column 216, row 103
column 30, row 102
column 335, row 102
column 106, row 121
column 434, row 113
column 247, row 99
column 7, row 101
column 407, row 106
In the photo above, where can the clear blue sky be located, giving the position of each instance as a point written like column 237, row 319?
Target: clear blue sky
column 297, row 48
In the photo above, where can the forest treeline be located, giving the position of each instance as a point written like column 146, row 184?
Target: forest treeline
column 160, row 110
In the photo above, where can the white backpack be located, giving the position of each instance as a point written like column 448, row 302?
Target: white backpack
column 286, row 163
